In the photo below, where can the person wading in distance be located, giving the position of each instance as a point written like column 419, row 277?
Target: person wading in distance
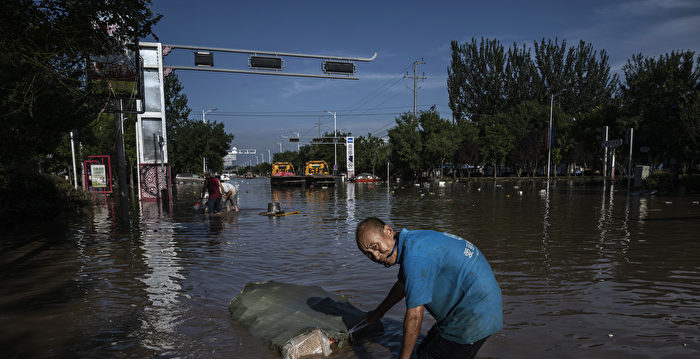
column 442, row 273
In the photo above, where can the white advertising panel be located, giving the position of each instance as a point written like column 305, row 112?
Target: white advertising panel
column 350, row 145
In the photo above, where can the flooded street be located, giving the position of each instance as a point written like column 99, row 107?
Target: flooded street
column 584, row 274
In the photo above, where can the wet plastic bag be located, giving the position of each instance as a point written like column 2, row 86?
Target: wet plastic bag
column 295, row 320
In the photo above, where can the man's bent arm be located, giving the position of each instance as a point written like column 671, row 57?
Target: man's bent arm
column 411, row 328
column 395, row 295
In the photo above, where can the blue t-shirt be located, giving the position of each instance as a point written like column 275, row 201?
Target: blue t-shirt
column 452, row 279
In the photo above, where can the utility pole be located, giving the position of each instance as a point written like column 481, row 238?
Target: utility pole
column 415, row 78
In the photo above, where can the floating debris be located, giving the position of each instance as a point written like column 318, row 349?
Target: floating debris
column 668, row 202
column 610, row 335
column 696, row 202
column 274, row 210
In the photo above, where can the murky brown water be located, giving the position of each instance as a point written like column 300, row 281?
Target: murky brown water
column 583, row 274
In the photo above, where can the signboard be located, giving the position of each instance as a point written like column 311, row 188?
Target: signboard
column 99, row 176
column 612, row 143
column 117, row 74
column 350, row 146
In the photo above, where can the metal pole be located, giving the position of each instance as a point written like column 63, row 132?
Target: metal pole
column 75, row 169
column 605, row 158
column 121, row 165
column 335, row 145
column 280, row 143
column 549, row 136
column 269, row 157
column 204, row 120
column 629, row 167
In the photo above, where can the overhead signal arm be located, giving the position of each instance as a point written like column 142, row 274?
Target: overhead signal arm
column 270, row 63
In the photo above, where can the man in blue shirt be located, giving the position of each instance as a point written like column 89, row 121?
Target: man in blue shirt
column 442, row 273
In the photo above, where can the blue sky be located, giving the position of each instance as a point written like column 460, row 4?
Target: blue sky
column 258, row 109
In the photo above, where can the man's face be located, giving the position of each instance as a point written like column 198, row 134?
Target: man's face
column 377, row 245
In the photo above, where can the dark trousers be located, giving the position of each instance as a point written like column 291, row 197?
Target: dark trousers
column 214, row 205
column 434, row 346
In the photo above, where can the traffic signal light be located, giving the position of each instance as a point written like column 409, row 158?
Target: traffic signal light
column 338, row 67
column 292, row 139
column 266, row 62
column 203, row 58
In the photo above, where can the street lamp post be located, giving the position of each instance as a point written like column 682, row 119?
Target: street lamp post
column 335, row 144
column 204, row 120
column 269, row 157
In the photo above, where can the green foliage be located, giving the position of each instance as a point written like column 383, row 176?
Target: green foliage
column 406, row 145
column 484, row 79
column 495, row 143
column 190, row 140
column 291, row 157
column 370, row 154
column 325, row 151
column 660, row 180
column 663, row 93
column 46, row 45
column 37, row 197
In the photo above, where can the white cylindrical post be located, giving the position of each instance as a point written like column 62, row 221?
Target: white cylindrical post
column 75, row 169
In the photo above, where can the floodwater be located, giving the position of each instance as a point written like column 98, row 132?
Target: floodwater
column 584, row 274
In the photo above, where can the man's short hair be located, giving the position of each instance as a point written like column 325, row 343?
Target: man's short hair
column 371, row 223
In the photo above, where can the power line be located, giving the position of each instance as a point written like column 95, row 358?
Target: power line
column 370, row 95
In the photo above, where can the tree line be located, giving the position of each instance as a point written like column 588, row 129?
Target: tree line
column 502, row 100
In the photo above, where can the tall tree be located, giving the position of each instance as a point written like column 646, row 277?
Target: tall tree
column 476, row 78
column 177, row 114
column 370, row 153
column 406, row 145
column 496, row 142
column 661, row 91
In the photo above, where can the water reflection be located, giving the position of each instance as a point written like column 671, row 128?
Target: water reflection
column 162, row 279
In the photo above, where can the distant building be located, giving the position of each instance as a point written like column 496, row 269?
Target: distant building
column 230, row 158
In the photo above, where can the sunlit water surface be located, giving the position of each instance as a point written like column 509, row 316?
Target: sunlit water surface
column 584, row 274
